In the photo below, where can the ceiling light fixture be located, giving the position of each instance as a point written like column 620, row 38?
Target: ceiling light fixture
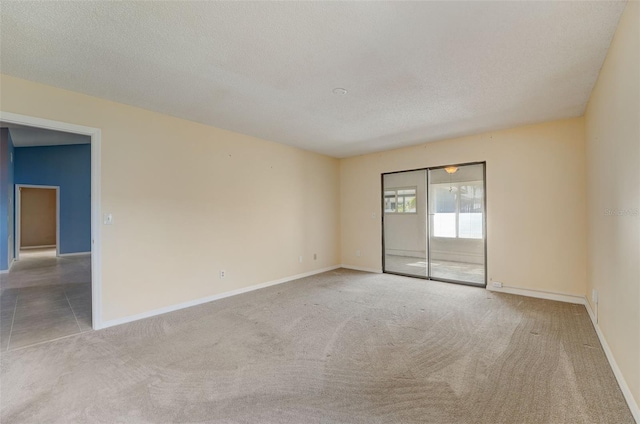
column 340, row 91
column 450, row 170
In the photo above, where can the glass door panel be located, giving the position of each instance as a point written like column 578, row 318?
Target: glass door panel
column 457, row 224
column 404, row 223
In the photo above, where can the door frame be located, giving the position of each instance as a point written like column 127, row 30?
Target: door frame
column 18, row 218
column 428, row 224
column 96, row 198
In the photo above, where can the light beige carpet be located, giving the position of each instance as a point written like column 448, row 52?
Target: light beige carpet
column 340, row 347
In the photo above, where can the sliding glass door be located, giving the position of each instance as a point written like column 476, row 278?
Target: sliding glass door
column 434, row 223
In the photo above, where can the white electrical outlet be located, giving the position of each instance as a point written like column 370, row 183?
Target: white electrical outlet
column 223, row 273
column 358, row 253
column 300, row 259
column 497, row 284
column 594, row 296
column 108, row 219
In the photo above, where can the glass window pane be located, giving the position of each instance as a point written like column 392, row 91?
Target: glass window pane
column 390, row 201
column 444, row 225
column 470, row 225
column 470, row 221
column 471, row 197
column 410, row 204
column 445, row 199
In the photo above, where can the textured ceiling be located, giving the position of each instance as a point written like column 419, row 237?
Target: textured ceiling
column 414, row 72
column 23, row 136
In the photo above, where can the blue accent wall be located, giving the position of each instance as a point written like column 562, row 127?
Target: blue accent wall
column 6, row 199
column 69, row 167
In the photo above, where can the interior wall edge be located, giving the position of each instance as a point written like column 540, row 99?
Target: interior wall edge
column 622, row 382
column 612, row 131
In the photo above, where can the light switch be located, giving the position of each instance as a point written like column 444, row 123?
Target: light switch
column 108, row 219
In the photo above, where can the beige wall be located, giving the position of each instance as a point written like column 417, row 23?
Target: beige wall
column 613, row 164
column 536, row 201
column 189, row 200
column 37, row 217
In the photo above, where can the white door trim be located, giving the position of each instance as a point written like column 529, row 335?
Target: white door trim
column 96, row 255
column 18, row 213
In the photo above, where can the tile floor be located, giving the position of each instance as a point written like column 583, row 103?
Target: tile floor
column 449, row 270
column 44, row 298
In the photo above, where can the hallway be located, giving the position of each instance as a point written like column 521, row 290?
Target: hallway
column 44, row 298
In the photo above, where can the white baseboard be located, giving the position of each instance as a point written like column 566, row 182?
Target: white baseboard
column 581, row 300
column 75, row 254
column 624, row 387
column 208, row 299
column 46, row 246
column 357, row 268
column 4, row 271
column 540, row 294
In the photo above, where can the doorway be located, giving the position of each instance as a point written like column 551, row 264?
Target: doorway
column 37, row 220
column 75, row 264
column 434, row 223
column 47, row 293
